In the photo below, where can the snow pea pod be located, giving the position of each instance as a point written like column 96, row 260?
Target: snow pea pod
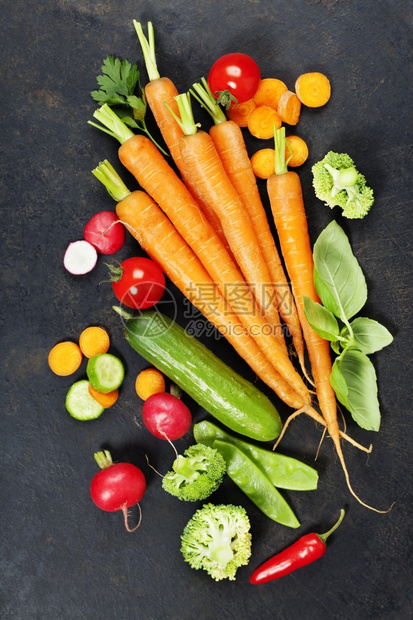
column 284, row 472
column 255, row 484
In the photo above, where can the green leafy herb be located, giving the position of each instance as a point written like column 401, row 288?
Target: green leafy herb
column 321, row 320
column 368, row 335
column 118, row 83
column 339, row 272
column 360, row 393
column 342, row 288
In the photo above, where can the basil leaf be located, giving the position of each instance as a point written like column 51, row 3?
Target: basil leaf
column 321, row 320
column 336, row 346
column 361, row 399
column 326, row 297
column 369, row 335
column 338, row 383
column 339, row 272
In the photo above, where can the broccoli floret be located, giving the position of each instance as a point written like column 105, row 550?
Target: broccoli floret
column 217, row 539
column 338, row 183
column 196, row 474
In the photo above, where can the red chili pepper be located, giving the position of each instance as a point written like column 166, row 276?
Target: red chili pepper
column 305, row 550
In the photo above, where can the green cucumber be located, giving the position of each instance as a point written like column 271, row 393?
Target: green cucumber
column 105, row 372
column 80, row 404
column 227, row 396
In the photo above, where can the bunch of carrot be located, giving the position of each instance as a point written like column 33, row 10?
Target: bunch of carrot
column 208, row 228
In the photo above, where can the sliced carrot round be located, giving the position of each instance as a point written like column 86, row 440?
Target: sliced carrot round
column 149, row 381
column 299, row 150
column 65, row 358
column 263, row 163
column 289, row 108
column 105, row 400
column 313, row 89
column 93, row 341
column 241, row 112
column 262, row 121
column 269, row 92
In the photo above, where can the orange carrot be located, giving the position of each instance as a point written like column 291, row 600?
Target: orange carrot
column 65, row 358
column 163, row 243
column 94, row 340
column 289, row 108
column 285, row 194
column 313, row 89
column 161, row 93
column 261, row 122
column 269, row 92
column 241, row 112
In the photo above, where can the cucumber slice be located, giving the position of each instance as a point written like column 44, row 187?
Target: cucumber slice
column 80, row 403
column 105, row 372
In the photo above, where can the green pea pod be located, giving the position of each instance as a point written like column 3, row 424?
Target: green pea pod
column 284, row 472
column 255, row 484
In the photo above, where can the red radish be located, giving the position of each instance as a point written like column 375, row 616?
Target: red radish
column 166, row 416
column 117, row 486
column 80, row 257
column 105, row 232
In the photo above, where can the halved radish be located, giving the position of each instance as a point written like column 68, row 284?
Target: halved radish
column 80, row 257
column 105, row 232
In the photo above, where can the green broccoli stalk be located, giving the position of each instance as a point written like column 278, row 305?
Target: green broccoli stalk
column 337, row 182
column 217, row 539
column 196, row 474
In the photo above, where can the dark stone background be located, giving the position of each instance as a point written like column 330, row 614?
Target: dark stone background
column 62, row 558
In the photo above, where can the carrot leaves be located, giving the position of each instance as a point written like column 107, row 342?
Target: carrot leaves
column 342, row 289
column 118, row 83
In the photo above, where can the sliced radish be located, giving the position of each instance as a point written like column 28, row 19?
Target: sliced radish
column 80, row 257
column 105, row 232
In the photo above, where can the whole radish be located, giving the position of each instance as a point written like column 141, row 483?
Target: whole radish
column 166, row 416
column 105, row 232
column 117, row 486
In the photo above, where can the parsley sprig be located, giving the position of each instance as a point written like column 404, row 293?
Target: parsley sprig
column 118, row 83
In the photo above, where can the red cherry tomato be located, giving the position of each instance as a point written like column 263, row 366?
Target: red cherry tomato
column 138, row 282
column 237, row 73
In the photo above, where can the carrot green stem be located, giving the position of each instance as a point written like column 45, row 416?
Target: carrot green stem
column 148, row 49
column 203, row 94
column 107, row 175
column 112, row 124
column 186, row 117
column 280, row 142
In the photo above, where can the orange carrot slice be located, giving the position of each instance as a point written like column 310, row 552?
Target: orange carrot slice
column 65, row 358
column 93, row 341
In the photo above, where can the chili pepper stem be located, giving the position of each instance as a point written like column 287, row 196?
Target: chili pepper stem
column 323, row 537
